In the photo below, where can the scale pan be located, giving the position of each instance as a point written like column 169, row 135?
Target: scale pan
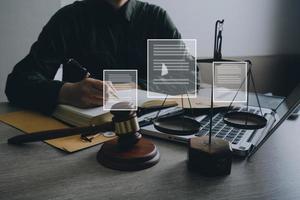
column 245, row 120
column 177, row 125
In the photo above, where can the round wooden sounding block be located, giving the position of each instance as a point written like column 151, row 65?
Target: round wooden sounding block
column 130, row 152
column 142, row 155
column 209, row 159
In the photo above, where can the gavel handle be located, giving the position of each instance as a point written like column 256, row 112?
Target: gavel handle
column 59, row 133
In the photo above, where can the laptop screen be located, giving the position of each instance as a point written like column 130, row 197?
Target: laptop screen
column 287, row 106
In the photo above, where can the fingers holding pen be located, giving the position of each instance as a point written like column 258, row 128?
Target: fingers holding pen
column 100, row 87
column 103, row 89
column 87, row 93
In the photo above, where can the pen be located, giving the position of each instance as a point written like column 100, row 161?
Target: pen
column 84, row 73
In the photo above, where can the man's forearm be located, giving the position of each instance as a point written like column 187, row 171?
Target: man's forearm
column 32, row 91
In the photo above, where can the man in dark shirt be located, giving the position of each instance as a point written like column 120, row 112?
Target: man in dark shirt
column 99, row 34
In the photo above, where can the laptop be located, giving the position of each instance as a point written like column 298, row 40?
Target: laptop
column 242, row 141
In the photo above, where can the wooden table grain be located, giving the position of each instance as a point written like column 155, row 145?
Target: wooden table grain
column 38, row 171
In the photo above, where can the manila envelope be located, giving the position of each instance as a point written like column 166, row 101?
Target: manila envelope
column 30, row 122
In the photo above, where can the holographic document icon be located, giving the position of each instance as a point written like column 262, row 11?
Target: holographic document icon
column 172, row 68
column 120, row 86
column 230, row 81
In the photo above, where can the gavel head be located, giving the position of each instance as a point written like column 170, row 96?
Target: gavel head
column 126, row 124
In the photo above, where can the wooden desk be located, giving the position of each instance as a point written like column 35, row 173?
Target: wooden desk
column 37, row 171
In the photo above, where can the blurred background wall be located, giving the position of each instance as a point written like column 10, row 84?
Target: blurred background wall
column 21, row 22
column 252, row 28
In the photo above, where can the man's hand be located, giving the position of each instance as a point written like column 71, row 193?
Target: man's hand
column 85, row 94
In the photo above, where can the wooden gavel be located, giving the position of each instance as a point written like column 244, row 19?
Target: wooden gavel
column 124, row 124
column 129, row 152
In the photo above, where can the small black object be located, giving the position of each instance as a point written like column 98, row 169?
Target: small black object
column 177, row 125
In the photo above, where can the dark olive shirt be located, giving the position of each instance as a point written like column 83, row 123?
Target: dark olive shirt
column 96, row 35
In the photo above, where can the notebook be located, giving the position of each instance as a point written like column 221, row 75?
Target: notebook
column 97, row 116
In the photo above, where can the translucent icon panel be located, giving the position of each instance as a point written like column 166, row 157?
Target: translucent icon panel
column 230, row 82
column 172, row 68
column 120, row 86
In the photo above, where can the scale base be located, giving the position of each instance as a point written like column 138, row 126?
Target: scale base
column 141, row 156
column 209, row 160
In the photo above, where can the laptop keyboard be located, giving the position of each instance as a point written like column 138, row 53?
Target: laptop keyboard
column 221, row 130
